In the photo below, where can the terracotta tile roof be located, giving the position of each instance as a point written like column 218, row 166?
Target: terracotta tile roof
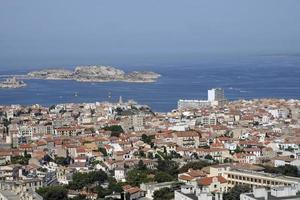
column 196, row 173
column 80, row 150
column 41, row 143
column 187, row 134
column 209, row 180
column 133, row 190
column 5, row 152
column 243, row 155
column 185, row 177
column 251, row 149
column 25, row 146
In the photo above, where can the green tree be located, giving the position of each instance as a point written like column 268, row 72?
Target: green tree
column 147, row 139
column 238, row 150
column 141, row 154
column 61, row 161
column 22, row 160
column 193, row 165
column 161, row 177
column 235, row 192
column 52, row 107
column 174, row 154
column 136, row 177
column 168, row 166
column 102, row 192
column 208, row 157
column 195, row 156
column 287, row 170
column 228, row 160
column 112, row 187
column 228, row 133
column 150, row 155
column 103, row 151
column 291, row 149
column 6, row 122
column 163, row 194
column 53, row 193
column 115, row 187
column 80, row 180
column 116, row 130
column 141, row 165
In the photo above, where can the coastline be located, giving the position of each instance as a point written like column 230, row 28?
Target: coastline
column 93, row 74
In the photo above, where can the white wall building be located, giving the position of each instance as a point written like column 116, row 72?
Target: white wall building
column 215, row 97
column 192, row 104
column 215, row 94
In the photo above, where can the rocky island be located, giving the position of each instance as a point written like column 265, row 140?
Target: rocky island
column 12, row 83
column 94, row 74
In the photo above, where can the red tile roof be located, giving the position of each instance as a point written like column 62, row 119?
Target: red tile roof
column 209, row 180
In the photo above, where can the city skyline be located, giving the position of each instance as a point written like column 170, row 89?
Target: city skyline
column 149, row 100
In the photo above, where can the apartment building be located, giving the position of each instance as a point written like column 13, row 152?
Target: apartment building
column 240, row 176
column 251, row 178
column 276, row 193
column 187, row 138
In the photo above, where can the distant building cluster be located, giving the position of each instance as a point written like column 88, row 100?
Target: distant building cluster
column 124, row 150
column 215, row 97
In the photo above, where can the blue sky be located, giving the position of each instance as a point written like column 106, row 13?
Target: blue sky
column 115, row 30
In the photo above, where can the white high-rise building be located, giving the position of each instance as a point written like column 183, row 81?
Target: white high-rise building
column 215, row 94
column 215, row 98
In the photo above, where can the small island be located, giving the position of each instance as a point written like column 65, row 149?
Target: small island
column 95, row 74
column 12, row 83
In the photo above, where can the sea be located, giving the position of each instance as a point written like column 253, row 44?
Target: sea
column 248, row 77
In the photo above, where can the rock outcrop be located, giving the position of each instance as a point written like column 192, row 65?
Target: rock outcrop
column 94, row 74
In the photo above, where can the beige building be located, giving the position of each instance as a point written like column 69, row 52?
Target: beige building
column 187, row 138
column 253, row 178
column 276, row 193
column 22, row 189
column 216, row 184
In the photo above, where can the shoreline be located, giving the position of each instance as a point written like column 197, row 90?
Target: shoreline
column 92, row 74
column 25, row 77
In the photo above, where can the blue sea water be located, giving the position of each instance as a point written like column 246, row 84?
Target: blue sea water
column 241, row 77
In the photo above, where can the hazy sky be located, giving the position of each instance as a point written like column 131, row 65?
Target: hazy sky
column 82, row 29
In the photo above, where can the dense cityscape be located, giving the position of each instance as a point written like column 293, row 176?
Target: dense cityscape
column 149, row 100
column 204, row 149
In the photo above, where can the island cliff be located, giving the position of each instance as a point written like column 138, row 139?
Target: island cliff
column 94, row 74
column 12, row 83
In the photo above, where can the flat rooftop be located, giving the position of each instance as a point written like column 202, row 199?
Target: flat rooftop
column 9, row 195
column 270, row 197
column 267, row 175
